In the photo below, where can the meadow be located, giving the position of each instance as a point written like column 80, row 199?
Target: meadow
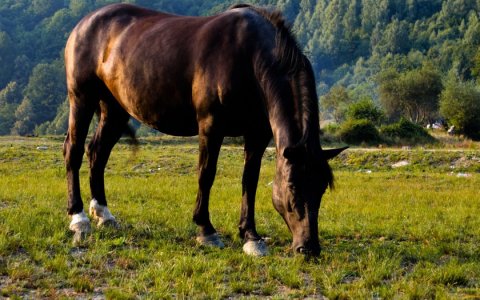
column 411, row 232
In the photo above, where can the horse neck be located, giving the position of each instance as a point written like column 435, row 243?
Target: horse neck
column 305, row 97
column 291, row 122
column 293, row 118
column 285, row 128
column 292, row 115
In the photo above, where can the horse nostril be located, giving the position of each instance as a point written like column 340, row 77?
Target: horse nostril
column 302, row 250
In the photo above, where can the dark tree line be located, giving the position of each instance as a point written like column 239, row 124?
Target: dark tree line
column 356, row 44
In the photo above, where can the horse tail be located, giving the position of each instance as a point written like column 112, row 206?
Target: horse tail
column 130, row 133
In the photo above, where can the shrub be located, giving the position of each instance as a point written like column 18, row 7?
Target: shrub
column 406, row 131
column 365, row 109
column 329, row 133
column 331, row 128
column 359, row 131
column 460, row 105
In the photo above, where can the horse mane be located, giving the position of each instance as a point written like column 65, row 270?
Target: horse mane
column 291, row 60
column 288, row 53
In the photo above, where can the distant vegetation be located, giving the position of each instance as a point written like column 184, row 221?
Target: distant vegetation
column 408, row 58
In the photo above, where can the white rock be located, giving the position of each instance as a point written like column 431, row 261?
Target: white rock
column 255, row 248
column 399, row 164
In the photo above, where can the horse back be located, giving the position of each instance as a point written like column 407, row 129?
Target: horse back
column 166, row 70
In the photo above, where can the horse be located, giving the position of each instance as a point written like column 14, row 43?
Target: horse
column 237, row 73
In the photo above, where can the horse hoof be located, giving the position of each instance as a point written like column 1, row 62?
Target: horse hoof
column 110, row 223
column 79, row 238
column 255, row 248
column 102, row 214
column 212, row 240
column 80, row 225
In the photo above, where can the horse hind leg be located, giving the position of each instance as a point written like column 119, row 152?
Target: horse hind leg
column 81, row 113
column 210, row 142
column 112, row 123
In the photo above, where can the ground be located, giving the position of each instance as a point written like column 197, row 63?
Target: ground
column 407, row 232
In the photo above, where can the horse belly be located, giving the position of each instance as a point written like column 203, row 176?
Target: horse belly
column 179, row 120
column 177, row 124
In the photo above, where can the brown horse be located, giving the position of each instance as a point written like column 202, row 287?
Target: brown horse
column 239, row 73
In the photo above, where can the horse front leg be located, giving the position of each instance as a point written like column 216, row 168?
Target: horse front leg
column 210, row 144
column 254, row 149
column 73, row 150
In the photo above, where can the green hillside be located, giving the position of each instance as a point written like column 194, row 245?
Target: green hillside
column 350, row 43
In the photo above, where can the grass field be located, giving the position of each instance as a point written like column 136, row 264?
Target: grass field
column 411, row 232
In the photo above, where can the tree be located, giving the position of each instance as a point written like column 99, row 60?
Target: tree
column 373, row 12
column 460, row 105
column 394, row 39
column 336, row 102
column 24, row 116
column 6, row 57
column 46, row 89
column 8, row 105
column 59, row 125
column 413, row 94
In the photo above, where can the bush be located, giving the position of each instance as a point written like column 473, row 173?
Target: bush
column 365, row 109
column 359, row 131
column 406, row 131
column 329, row 133
column 331, row 129
column 460, row 105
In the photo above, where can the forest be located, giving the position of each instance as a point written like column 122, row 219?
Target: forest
column 379, row 64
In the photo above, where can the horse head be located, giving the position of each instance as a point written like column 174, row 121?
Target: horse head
column 301, row 180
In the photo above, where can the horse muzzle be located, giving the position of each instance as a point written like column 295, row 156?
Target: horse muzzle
column 308, row 249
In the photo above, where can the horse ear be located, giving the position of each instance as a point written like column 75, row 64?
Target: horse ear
column 331, row 153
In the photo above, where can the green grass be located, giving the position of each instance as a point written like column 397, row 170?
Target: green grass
column 405, row 233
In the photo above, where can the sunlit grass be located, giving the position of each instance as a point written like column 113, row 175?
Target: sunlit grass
column 403, row 233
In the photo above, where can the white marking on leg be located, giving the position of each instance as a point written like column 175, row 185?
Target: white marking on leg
column 101, row 213
column 80, row 222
